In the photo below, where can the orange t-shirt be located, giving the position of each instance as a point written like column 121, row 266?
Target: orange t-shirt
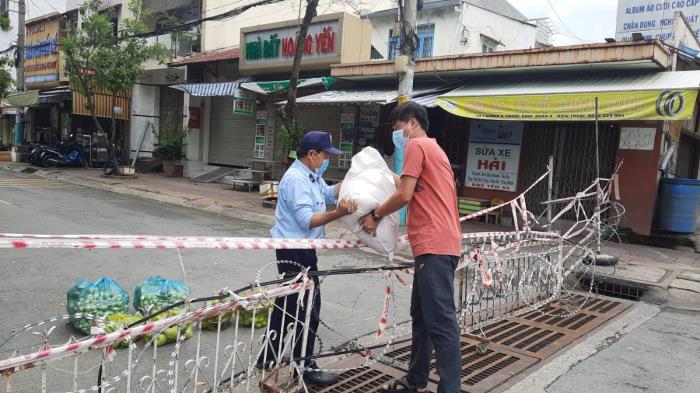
column 433, row 218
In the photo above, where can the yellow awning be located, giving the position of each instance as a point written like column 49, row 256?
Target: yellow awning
column 645, row 96
column 103, row 105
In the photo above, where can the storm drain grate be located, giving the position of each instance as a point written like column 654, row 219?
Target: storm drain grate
column 543, row 332
column 482, row 368
column 611, row 288
column 514, row 344
column 360, row 380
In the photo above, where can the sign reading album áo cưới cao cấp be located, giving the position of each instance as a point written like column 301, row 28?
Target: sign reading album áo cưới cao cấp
column 494, row 155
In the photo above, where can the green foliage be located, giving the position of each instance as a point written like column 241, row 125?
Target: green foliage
column 96, row 57
column 7, row 81
column 289, row 137
column 5, row 24
column 170, row 145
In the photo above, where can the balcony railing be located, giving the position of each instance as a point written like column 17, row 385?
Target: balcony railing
column 178, row 44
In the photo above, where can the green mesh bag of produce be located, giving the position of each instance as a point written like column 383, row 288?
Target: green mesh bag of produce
column 261, row 311
column 99, row 299
column 212, row 322
column 156, row 293
column 170, row 334
column 121, row 321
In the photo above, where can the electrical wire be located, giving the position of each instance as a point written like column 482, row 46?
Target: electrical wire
column 573, row 35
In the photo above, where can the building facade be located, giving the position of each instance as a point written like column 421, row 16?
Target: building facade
column 448, row 27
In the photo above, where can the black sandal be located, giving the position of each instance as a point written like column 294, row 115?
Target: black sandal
column 399, row 385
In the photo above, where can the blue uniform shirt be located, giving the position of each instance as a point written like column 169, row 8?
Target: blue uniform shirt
column 301, row 193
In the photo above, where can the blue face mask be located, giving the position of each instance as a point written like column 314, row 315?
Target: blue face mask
column 324, row 165
column 399, row 140
column 322, row 169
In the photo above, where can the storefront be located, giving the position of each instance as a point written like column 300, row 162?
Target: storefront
column 43, row 72
column 267, row 54
column 358, row 117
column 517, row 123
column 234, row 95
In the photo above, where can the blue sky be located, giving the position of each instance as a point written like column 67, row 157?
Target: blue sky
column 578, row 21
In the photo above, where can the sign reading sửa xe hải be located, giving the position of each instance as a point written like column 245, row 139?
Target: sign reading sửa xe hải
column 631, row 105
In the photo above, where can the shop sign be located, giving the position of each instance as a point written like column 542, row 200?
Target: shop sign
column 347, row 136
column 613, row 106
column 637, row 138
column 654, row 19
column 243, row 103
column 277, row 45
column 494, row 155
column 195, row 117
column 42, row 63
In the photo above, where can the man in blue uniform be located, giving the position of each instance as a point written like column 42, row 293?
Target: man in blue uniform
column 301, row 214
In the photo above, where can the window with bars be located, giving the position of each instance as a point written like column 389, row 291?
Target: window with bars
column 426, row 42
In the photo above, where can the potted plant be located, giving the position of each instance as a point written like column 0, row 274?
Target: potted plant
column 170, row 149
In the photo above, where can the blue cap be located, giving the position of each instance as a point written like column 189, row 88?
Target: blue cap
column 318, row 140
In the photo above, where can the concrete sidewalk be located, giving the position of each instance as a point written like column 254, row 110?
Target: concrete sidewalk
column 663, row 276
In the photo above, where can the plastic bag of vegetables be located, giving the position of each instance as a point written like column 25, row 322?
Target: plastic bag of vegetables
column 156, row 293
column 261, row 311
column 73, row 296
column 102, row 298
column 170, row 334
column 120, row 321
column 211, row 323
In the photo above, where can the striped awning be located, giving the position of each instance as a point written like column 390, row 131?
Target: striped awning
column 225, row 89
column 104, row 104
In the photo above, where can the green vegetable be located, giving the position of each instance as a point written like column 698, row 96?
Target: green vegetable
column 156, row 293
column 261, row 311
column 120, row 321
column 170, row 334
column 211, row 323
column 101, row 299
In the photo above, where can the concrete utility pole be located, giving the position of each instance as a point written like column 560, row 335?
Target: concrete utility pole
column 404, row 65
column 19, row 126
column 407, row 20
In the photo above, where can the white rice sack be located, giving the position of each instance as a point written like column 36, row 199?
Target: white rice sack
column 370, row 182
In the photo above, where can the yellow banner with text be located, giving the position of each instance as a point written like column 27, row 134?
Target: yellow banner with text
column 612, row 106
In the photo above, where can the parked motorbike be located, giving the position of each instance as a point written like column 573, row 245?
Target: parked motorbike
column 34, row 152
column 66, row 155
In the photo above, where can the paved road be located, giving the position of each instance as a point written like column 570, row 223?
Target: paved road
column 34, row 282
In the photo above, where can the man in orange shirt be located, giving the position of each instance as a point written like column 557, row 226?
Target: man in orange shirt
column 427, row 186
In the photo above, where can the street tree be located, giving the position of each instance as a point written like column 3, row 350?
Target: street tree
column 102, row 62
column 7, row 81
column 292, row 130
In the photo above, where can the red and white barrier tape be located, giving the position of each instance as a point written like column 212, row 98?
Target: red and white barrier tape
column 240, row 244
column 18, row 241
column 169, row 238
column 384, row 318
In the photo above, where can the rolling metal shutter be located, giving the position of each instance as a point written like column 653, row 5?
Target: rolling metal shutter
column 231, row 138
column 322, row 118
